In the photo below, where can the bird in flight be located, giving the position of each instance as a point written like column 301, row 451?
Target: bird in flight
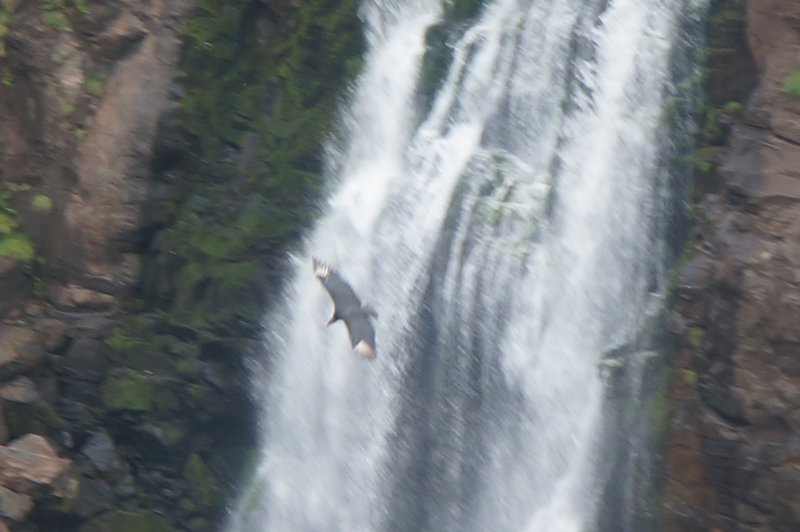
column 348, row 308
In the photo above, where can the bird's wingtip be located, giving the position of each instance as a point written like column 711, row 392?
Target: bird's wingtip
column 321, row 269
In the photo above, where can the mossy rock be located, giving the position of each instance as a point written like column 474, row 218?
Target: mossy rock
column 42, row 203
column 658, row 405
column 201, row 481
column 18, row 247
column 121, row 521
column 791, row 85
column 697, row 337
column 267, row 102
column 168, row 434
column 130, row 390
column 137, row 343
column 38, row 417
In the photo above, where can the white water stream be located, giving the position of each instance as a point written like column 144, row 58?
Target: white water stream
column 506, row 239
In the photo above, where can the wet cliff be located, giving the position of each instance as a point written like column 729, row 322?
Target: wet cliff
column 158, row 160
column 733, row 446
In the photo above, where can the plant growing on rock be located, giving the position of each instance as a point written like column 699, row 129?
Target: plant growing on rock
column 791, row 85
column 42, row 203
column 13, row 244
column 257, row 113
column 53, row 16
column 94, row 86
column 82, row 6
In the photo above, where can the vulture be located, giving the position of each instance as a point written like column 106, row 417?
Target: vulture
column 348, row 308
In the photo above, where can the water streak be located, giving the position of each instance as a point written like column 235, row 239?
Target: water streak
column 507, row 239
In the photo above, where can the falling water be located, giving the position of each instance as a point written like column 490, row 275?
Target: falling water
column 509, row 230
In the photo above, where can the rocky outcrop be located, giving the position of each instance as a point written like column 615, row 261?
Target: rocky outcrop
column 156, row 158
column 85, row 86
column 733, row 446
column 31, row 470
column 88, row 88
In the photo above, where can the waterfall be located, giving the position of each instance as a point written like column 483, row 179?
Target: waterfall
column 509, row 228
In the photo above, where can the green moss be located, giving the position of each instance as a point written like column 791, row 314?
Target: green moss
column 791, row 85
column 56, row 20
column 8, row 79
column 690, row 377
column 82, row 6
column 136, row 343
column 8, row 223
column 42, row 203
column 727, row 20
column 201, row 482
column 17, row 247
column 187, row 506
column 733, row 107
column 95, row 86
column 128, row 390
column 48, row 415
column 22, row 418
column 697, row 337
column 5, row 18
column 80, row 133
column 259, row 176
column 658, row 405
column 172, row 434
column 712, row 130
column 123, row 521
column 187, row 369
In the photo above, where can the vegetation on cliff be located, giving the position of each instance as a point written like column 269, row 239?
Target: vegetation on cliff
column 259, row 96
column 242, row 158
column 724, row 91
column 791, row 85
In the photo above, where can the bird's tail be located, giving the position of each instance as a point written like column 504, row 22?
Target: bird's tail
column 321, row 269
column 364, row 349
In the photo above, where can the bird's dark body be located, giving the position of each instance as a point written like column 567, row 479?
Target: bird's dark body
column 348, row 308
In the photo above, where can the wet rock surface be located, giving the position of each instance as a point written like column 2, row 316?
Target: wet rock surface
column 732, row 448
column 85, row 87
column 157, row 202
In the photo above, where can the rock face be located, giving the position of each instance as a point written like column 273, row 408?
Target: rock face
column 86, row 104
column 734, row 441
column 85, row 86
column 147, row 197
column 29, row 464
column 30, row 468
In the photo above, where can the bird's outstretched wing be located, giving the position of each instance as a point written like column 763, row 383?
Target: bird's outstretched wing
column 344, row 298
column 347, row 307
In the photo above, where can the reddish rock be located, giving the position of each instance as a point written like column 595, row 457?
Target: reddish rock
column 19, row 351
column 29, row 465
column 76, row 298
column 79, row 127
column 20, row 390
column 15, row 506
column 53, row 334
column 732, row 448
column 15, row 286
